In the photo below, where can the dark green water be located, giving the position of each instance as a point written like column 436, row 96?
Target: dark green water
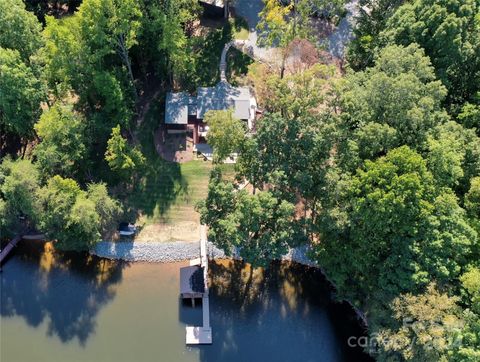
column 80, row 308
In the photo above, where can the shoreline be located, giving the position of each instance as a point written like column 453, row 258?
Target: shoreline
column 174, row 251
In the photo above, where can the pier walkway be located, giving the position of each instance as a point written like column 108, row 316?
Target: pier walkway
column 203, row 334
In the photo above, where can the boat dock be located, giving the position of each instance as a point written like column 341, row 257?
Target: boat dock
column 194, row 284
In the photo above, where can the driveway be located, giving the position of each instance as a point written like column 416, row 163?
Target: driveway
column 336, row 42
column 339, row 39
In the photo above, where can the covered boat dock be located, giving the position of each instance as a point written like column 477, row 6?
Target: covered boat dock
column 194, row 284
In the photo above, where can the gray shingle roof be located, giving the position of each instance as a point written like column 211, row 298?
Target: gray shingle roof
column 224, row 96
column 176, row 108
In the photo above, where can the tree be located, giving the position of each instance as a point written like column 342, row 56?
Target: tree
column 449, row 31
column 124, row 22
column 260, row 227
column 453, row 156
column 427, row 328
column 57, row 199
column 19, row 29
column 298, row 94
column 394, row 230
column 290, row 156
column 122, row 159
column 173, row 40
column 371, row 21
column 87, row 54
column 107, row 208
column 20, row 97
column 73, row 217
column 19, row 183
column 472, row 203
column 400, row 91
column 225, row 134
column 469, row 115
column 63, row 143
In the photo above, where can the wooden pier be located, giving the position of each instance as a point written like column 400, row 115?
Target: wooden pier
column 9, row 247
column 196, row 334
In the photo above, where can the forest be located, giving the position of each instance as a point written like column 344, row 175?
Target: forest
column 372, row 163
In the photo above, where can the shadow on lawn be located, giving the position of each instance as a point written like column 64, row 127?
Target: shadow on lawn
column 160, row 182
column 158, row 188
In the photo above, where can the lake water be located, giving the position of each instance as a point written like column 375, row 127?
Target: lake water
column 76, row 307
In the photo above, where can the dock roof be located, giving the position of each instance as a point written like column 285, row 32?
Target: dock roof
column 192, row 280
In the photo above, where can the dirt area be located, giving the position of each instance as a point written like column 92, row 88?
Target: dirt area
column 179, row 231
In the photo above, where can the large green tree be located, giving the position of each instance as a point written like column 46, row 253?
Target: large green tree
column 225, row 134
column 449, row 31
column 121, row 157
column 393, row 230
column 259, row 227
column 19, row 29
column 19, row 183
column 89, row 54
column 20, row 96
column 453, row 156
column 398, row 99
column 72, row 217
column 62, row 149
column 371, row 21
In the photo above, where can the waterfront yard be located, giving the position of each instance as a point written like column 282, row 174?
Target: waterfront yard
column 165, row 199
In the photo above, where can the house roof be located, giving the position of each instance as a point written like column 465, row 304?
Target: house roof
column 224, row 96
column 176, row 108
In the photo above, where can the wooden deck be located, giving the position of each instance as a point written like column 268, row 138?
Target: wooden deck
column 194, row 334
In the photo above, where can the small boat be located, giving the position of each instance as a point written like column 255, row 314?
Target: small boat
column 127, row 229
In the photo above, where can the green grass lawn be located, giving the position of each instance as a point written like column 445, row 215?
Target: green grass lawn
column 167, row 192
column 170, row 195
column 164, row 200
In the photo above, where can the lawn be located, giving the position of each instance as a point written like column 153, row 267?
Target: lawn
column 166, row 202
column 162, row 201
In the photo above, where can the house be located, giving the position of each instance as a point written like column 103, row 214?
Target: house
column 184, row 113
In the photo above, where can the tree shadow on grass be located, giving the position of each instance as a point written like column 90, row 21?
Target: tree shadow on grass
column 66, row 290
column 160, row 182
column 158, row 188
column 237, row 65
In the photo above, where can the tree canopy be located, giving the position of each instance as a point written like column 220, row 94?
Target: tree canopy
column 63, row 143
column 225, row 134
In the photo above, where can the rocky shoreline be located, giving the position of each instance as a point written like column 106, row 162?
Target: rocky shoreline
column 166, row 252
